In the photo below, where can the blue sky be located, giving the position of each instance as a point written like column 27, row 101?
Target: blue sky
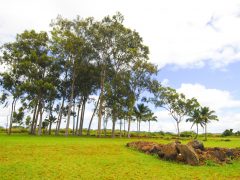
column 196, row 44
column 227, row 79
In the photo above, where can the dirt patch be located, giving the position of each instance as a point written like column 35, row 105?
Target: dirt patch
column 194, row 153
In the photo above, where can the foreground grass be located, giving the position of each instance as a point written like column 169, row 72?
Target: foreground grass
column 29, row 157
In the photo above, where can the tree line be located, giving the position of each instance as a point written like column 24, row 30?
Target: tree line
column 55, row 74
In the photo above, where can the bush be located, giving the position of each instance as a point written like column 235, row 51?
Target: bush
column 237, row 133
column 187, row 134
column 228, row 132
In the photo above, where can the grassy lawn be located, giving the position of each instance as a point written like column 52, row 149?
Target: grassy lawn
column 29, row 157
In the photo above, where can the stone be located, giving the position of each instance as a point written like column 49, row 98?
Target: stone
column 168, row 152
column 188, row 154
column 229, row 153
column 196, row 144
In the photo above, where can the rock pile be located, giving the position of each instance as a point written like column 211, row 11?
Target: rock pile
column 193, row 153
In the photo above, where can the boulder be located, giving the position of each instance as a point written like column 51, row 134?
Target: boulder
column 168, row 151
column 148, row 147
column 229, row 153
column 196, row 144
column 187, row 154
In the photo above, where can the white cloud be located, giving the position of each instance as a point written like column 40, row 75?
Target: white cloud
column 165, row 82
column 214, row 98
column 186, row 33
column 219, row 100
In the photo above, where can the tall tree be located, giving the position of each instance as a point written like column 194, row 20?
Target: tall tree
column 141, row 113
column 196, row 119
column 10, row 90
column 29, row 57
column 176, row 104
column 72, row 38
column 207, row 116
column 120, row 50
column 150, row 117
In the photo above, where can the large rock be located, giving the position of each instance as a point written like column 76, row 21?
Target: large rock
column 147, row 147
column 187, row 154
column 196, row 144
column 168, row 151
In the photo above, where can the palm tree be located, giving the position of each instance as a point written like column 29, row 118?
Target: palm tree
column 141, row 112
column 150, row 117
column 195, row 118
column 207, row 115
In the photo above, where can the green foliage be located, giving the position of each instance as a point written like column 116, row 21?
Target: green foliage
column 228, row 132
column 190, row 134
column 18, row 116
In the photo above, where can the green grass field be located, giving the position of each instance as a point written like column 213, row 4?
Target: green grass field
column 30, row 157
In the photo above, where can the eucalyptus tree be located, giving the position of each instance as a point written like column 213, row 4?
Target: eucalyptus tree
column 140, row 78
column 176, row 104
column 10, row 90
column 115, row 97
column 71, row 42
column 207, row 116
column 29, row 56
column 87, row 83
column 18, row 116
column 93, row 114
column 121, row 50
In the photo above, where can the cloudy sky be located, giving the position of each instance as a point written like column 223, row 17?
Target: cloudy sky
column 196, row 44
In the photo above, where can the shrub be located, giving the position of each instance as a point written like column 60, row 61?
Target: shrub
column 228, row 132
column 187, row 134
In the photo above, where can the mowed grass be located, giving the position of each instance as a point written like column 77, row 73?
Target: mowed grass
column 30, row 157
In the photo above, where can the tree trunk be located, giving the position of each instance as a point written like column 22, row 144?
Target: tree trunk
column 124, row 128
column 197, row 132
column 50, row 128
column 70, row 103
column 105, row 128
column 36, row 119
column 129, row 123
column 46, row 130
column 78, row 113
column 120, row 128
column 73, row 131
column 101, row 103
column 205, row 132
column 33, row 118
column 82, row 116
column 139, row 123
column 178, row 131
column 149, row 126
column 113, row 127
column 40, row 120
column 11, row 118
column 89, row 127
column 137, row 126
column 60, row 117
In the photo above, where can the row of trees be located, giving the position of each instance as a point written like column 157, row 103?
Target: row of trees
column 180, row 107
column 54, row 75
